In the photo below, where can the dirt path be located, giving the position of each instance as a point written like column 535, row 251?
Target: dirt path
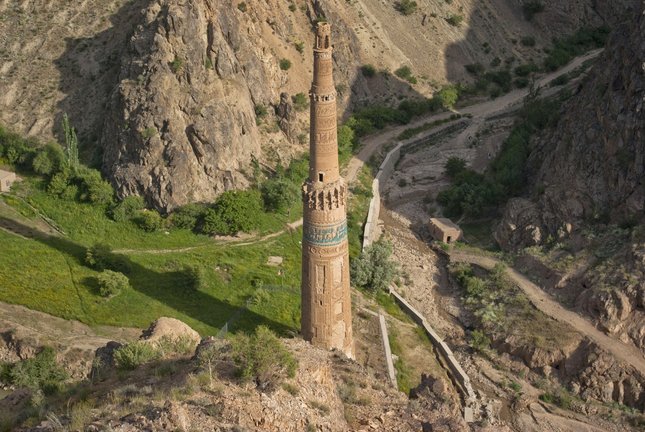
column 541, row 300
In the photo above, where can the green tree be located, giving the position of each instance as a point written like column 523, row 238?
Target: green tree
column 48, row 160
column 374, row 269
column 455, row 166
column 71, row 143
column 448, row 96
column 278, row 194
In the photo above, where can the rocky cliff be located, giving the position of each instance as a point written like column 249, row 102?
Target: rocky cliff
column 164, row 93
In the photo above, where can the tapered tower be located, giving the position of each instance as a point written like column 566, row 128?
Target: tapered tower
column 326, row 301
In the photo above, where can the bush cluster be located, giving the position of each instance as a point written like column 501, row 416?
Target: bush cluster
column 406, row 7
column 135, row 354
column 112, row 283
column 262, row 358
column 41, row 372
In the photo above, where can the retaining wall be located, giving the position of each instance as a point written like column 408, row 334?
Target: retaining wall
column 388, row 352
column 456, row 371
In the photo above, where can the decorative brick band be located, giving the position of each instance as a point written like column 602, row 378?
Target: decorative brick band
column 325, row 235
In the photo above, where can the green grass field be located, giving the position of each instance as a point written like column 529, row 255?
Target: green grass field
column 48, row 273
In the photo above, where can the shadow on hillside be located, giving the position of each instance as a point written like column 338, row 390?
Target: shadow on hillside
column 89, row 69
column 169, row 288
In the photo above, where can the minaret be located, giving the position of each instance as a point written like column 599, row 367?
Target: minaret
column 326, row 301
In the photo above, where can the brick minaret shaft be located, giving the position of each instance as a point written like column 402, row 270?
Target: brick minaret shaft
column 326, row 301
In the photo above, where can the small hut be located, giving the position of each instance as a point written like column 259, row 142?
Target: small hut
column 7, row 178
column 444, row 230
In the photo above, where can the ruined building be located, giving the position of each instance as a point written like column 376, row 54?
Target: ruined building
column 326, row 301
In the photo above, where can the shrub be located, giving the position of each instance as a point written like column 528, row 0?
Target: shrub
column 300, row 46
column 71, row 143
column 564, row 50
column 234, row 211
column 528, row 41
column 522, row 82
column 278, row 194
column 262, row 358
column 127, row 208
column 100, row 257
column 475, row 69
column 112, row 283
column 300, row 101
column 374, row 269
column 149, row 220
column 41, row 372
column 177, row 64
column 479, row 341
column 260, row 111
column 532, row 7
column 285, row 64
column 560, row 80
column 187, row 216
column 526, row 69
column 406, row 7
column 242, row 7
column 455, row 20
column 404, row 72
column 135, row 354
column 368, row 70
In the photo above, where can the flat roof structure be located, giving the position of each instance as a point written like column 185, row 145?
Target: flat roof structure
column 444, row 230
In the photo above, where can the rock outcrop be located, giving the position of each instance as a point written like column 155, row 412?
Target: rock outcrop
column 590, row 167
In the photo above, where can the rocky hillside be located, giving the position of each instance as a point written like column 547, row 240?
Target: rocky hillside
column 589, row 193
column 168, row 96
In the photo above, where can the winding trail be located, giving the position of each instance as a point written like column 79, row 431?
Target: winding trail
column 541, row 300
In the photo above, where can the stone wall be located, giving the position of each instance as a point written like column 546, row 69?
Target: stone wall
column 455, row 370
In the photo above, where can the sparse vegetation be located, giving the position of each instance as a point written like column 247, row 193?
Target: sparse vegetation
column 532, row 7
column 300, row 101
column 406, row 7
column 262, row 358
column 41, row 373
column 285, row 64
column 455, row 20
column 473, row 193
column 368, row 71
column 135, row 354
column 404, row 72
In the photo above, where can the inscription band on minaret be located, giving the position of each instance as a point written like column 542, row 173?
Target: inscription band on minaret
column 326, row 299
